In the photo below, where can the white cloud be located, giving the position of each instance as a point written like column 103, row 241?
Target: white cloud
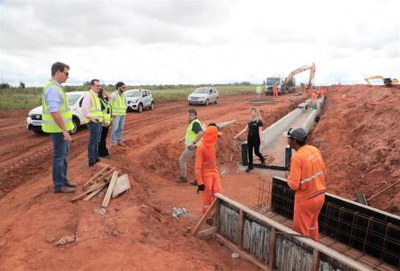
column 177, row 41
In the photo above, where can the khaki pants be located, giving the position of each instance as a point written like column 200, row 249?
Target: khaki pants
column 185, row 156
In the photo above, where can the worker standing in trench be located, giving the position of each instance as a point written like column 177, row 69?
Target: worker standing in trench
column 307, row 179
column 206, row 170
column 254, row 128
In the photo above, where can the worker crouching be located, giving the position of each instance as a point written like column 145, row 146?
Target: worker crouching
column 307, row 179
column 206, row 169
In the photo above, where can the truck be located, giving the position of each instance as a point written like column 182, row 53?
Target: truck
column 271, row 81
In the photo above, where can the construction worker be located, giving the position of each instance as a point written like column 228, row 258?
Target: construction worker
column 275, row 90
column 57, row 121
column 206, row 170
column 193, row 134
column 118, row 104
column 258, row 91
column 314, row 97
column 91, row 108
column 307, row 178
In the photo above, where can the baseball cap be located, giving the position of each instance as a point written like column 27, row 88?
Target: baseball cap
column 299, row 134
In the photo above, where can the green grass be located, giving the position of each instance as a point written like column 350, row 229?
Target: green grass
column 28, row 98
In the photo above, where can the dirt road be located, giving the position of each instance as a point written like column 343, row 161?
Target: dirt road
column 137, row 231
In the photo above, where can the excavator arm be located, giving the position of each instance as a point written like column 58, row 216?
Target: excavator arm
column 388, row 82
column 310, row 67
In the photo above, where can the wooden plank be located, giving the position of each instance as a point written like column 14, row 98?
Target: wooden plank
column 242, row 253
column 207, row 232
column 107, row 197
column 240, row 227
column 271, row 249
column 94, row 177
column 204, row 217
column 91, row 189
column 91, row 195
column 315, row 260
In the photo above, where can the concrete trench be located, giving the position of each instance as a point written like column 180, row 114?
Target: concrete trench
column 364, row 237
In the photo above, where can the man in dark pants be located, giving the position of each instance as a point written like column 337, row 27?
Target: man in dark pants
column 57, row 121
column 91, row 107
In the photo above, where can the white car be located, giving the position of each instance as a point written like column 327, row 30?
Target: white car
column 138, row 99
column 203, row 95
column 34, row 120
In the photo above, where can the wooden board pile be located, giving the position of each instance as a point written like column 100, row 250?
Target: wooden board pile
column 105, row 178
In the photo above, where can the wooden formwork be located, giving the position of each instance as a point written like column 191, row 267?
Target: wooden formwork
column 277, row 247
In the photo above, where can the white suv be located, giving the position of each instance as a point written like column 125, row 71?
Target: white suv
column 203, row 95
column 34, row 120
column 138, row 99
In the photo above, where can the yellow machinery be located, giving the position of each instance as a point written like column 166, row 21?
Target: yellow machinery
column 289, row 81
column 388, row 82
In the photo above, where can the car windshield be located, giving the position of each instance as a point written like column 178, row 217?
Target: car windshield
column 72, row 98
column 135, row 93
column 202, row 90
column 272, row 81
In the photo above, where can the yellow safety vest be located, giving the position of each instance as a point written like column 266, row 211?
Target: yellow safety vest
column 48, row 123
column 118, row 105
column 106, row 111
column 95, row 107
column 190, row 135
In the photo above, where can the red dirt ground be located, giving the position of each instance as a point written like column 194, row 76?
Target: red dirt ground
column 356, row 134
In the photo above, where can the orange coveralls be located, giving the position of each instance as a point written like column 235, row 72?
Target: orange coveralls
column 206, row 170
column 307, row 178
column 275, row 90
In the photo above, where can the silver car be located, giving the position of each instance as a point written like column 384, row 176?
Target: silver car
column 203, row 95
column 138, row 99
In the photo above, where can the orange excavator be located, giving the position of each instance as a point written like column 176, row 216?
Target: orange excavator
column 388, row 82
column 289, row 83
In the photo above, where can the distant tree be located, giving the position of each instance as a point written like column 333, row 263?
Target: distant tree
column 87, row 83
column 21, row 85
column 244, row 83
column 4, row 85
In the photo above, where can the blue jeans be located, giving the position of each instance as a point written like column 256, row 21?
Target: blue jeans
column 60, row 155
column 94, row 139
column 117, row 129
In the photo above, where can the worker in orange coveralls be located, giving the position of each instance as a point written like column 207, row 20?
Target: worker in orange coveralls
column 275, row 90
column 206, row 170
column 307, row 179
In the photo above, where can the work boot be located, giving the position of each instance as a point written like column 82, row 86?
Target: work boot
column 263, row 161
column 193, row 182
column 121, row 144
column 182, row 180
column 70, row 184
column 64, row 189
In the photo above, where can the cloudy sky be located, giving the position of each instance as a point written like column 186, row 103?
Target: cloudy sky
column 198, row 41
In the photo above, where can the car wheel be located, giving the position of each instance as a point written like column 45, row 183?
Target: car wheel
column 140, row 108
column 38, row 131
column 152, row 106
column 75, row 122
column 206, row 103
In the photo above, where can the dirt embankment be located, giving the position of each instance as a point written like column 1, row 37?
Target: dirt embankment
column 356, row 133
column 359, row 137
